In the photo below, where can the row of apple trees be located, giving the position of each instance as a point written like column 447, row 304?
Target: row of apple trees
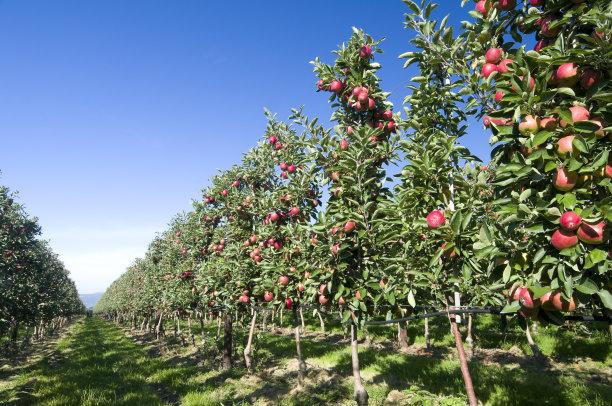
column 380, row 215
column 35, row 290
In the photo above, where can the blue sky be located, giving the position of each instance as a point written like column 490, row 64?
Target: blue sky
column 114, row 114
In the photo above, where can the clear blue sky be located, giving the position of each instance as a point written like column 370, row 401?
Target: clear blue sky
column 114, row 114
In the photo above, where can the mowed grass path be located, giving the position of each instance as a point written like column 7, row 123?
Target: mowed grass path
column 94, row 364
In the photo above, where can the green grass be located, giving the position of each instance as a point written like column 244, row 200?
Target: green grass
column 96, row 364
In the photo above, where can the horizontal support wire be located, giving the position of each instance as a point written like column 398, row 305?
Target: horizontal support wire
column 496, row 311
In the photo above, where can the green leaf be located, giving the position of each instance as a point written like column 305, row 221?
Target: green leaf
column 507, row 273
column 606, row 298
column 511, row 307
column 588, row 287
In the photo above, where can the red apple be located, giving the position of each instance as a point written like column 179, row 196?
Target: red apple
column 526, row 299
column 483, row 7
column 387, row 114
column 502, row 67
column 567, row 73
column 268, row 296
column 365, row 51
column 499, row 95
column 272, row 139
column 435, row 219
column 283, row 166
column 291, row 168
column 344, row 144
column 565, row 145
column 322, row 288
column 283, row 280
column 335, row 86
column 236, row 183
column 562, row 239
column 244, row 298
column 288, row 303
column 537, row 3
column 548, row 123
column 506, row 5
column 591, row 233
column 335, row 249
column 493, row 55
column 541, row 44
column 323, row 299
column 391, row 126
column 530, row 124
column 341, row 301
column 294, row 211
column 320, row 84
column 488, row 69
column 579, row 113
column 301, row 287
column 565, row 180
column 559, row 303
column 588, row 78
column 349, row 226
column 570, row 221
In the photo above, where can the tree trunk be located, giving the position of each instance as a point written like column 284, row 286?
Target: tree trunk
column 321, row 321
column 469, row 340
column 465, row 372
column 159, row 329
column 361, row 395
column 402, row 335
column 427, row 341
column 302, row 320
column 142, row 325
column 227, row 341
column 534, row 347
column 202, row 331
column 15, row 332
column 298, row 347
column 191, row 335
column 248, row 349
column 218, row 328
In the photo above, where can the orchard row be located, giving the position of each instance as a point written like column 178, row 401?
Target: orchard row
column 319, row 215
column 35, row 290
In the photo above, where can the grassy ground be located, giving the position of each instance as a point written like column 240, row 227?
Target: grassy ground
column 97, row 364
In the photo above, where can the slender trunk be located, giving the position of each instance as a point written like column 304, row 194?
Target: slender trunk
column 427, row 340
column 321, row 321
column 465, row 372
column 469, row 340
column 402, row 335
column 298, row 347
column 248, row 349
column 159, row 327
column 302, row 320
column 191, row 335
column 143, row 324
column 202, row 331
column 280, row 319
column 227, row 341
column 15, row 332
column 218, row 328
column 361, row 395
column 534, row 347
